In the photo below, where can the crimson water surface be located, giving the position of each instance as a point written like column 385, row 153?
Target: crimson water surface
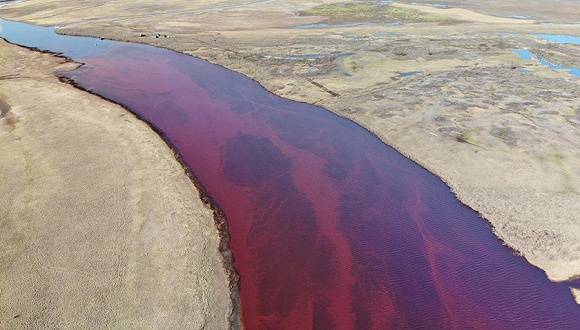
column 330, row 228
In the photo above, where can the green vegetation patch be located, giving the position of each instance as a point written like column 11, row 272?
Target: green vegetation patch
column 351, row 11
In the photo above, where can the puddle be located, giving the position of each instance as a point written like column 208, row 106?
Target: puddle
column 409, row 74
column 524, row 54
column 381, row 34
column 560, row 39
column 520, row 17
column 527, row 55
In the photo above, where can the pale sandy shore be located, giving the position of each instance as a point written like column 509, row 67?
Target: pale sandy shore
column 99, row 225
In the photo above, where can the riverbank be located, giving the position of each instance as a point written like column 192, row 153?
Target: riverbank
column 100, row 224
column 501, row 132
column 313, row 217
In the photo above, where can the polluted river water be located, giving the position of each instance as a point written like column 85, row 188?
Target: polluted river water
column 329, row 227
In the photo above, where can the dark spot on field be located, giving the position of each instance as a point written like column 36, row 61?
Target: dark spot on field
column 4, row 108
column 506, row 134
column 5, row 113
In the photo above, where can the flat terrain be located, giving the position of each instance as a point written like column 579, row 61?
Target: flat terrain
column 443, row 86
column 99, row 225
column 542, row 10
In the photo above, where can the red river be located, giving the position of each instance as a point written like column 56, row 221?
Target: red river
column 330, row 228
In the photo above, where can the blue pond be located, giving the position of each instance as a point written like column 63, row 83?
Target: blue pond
column 560, row 39
column 527, row 55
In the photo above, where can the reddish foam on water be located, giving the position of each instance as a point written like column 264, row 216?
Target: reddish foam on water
column 330, row 228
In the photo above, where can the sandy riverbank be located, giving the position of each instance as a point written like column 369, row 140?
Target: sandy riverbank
column 100, row 224
column 503, row 133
